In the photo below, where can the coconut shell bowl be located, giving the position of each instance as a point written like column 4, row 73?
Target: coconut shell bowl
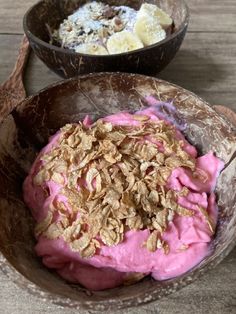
column 46, row 16
column 27, row 129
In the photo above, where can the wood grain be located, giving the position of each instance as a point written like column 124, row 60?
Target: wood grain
column 205, row 65
column 210, row 16
column 206, row 16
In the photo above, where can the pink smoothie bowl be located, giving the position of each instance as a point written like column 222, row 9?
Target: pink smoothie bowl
column 28, row 128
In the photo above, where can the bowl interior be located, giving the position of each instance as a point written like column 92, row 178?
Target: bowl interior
column 25, row 131
column 46, row 16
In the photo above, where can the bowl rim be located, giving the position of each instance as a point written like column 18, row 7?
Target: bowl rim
column 126, row 301
column 70, row 52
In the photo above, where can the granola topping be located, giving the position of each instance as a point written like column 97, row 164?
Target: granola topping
column 94, row 22
column 113, row 179
column 100, row 29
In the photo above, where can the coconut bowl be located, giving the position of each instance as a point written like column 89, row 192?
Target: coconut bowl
column 27, row 129
column 45, row 16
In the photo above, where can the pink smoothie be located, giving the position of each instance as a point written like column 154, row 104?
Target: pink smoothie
column 188, row 237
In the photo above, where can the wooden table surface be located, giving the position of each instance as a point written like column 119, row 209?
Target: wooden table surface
column 206, row 65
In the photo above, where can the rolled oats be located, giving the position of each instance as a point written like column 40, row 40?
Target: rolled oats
column 113, row 179
column 208, row 219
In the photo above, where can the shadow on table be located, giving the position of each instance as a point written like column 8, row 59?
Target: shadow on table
column 194, row 72
column 189, row 69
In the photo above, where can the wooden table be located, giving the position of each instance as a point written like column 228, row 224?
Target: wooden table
column 206, row 65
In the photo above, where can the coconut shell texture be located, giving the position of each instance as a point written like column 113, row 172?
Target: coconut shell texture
column 26, row 130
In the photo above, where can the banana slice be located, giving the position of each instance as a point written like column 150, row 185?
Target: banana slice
column 123, row 42
column 152, row 10
column 148, row 30
column 92, row 49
